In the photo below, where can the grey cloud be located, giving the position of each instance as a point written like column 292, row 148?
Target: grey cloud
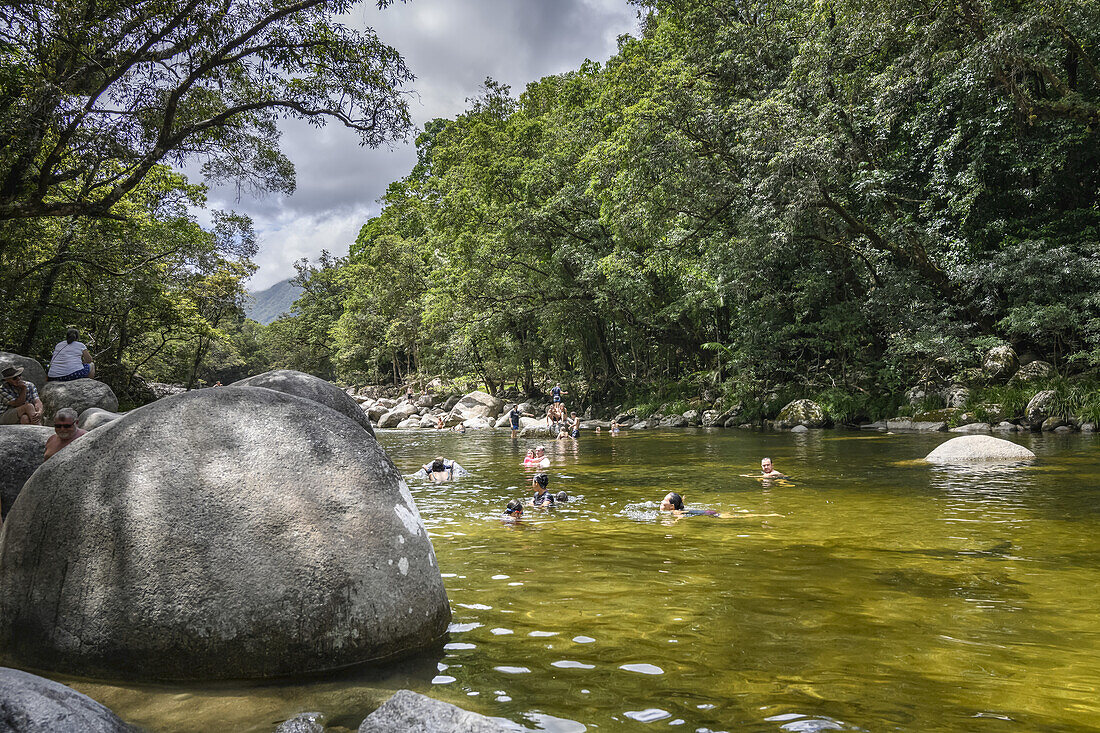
column 451, row 46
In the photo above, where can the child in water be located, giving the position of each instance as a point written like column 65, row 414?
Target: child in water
column 674, row 503
column 530, row 460
column 514, row 509
column 542, row 497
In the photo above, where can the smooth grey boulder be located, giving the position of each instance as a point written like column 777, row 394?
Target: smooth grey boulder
column 1000, row 361
column 409, row 712
column 972, row 428
column 674, row 421
column 878, row 425
column 79, row 394
column 21, row 451
column 800, row 429
column 33, row 371
column 450, row 402
column 94, row 417
column 801, row 412
column 424, row 401
column 233, row 533
column 397, row 415
column 478, row 404
column 409, row 423
column 1005, row 427
column 303, row 723
column 712, row 418
column 540, row 430
column 477, row 423
column 692, row 417
column 905, row 425
column 1053, row 423
column 33, row 704
column 978, row 448
column 1088, row 427
column 428, row 421
column 310, row 387
column 375, row 412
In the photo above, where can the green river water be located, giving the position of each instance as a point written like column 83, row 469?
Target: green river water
column 877, row 592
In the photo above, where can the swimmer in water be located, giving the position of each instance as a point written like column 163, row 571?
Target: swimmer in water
column 542, row 497
column 674, row 503
column 562, row 497
column 768, row 471
column 530, row 460
column 514, row 509
column 440, row 470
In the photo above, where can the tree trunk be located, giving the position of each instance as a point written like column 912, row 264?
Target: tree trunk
column 44, row 295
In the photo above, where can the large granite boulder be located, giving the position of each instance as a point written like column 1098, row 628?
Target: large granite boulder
column 32, row 370
column 1033, row 371
column 978, row 448
column 79, row 394
column 1039, row 407
column 801, row 412
column 397, row 415
column 21, row 451
column 478, row 404
column 973, row 428
column 313, row 388
column 94, row 417
column 233, row 533
column 1000, row 361
column 33, row 704
column 409, row 712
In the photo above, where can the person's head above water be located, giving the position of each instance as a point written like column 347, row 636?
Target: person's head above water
column 562, row 496
column 530, row 452
column 438, row 464
column 540, row 450
column 766, row 465
column 514, row 508
column 672, row 501
column 541, row 479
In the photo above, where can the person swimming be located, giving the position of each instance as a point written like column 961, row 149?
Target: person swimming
column 674, row 503
column 514, row 509
column 439, row 470
column 562, row 497
column 530, row 460
column 767, row 470
column 542, row 496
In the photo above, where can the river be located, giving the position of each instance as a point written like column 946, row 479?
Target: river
column 870, row 592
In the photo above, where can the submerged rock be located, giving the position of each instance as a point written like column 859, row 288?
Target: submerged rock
column 21, row 451
column 79, row 394
column 223, row 533
column 409, row 712
column 978, row 448
column 310, row 387
column 33, row 704
column 303, row 723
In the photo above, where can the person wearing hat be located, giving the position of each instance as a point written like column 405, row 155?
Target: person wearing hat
column 20, row 398
column 71, row 359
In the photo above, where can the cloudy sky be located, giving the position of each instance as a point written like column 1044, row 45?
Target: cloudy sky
column 451, row 46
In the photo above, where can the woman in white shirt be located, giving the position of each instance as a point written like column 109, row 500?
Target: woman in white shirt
column 71, row 359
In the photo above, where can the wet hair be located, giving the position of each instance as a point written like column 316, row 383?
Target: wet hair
column 71, row 335
column 562, row 496
column 542, row 479
column 765, row 460
column 514, row 506
column 676, row 501
column 438, row 465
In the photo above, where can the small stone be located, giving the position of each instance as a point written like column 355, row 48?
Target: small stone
column 303, row 723
column 409, row 712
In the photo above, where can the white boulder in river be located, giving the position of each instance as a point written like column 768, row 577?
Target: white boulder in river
column 221, row 533
column 313, row 388
column 33, row 704
column 978, row 448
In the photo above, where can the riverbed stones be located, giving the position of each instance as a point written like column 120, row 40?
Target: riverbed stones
column 904, row 425
column 310, row 387
column 21, row 451
column 1053, row 423
column 33, row 704
column 977, row 449
column 79, row 394
column 232, row 533
column 800, row 429
column 409, row 712
column 801, row 412
column 972, row 428
column 32, row 370
column 1005, row 427
column 397, row 415
column 303, row 723
column 95, row 417
column 1000, row 361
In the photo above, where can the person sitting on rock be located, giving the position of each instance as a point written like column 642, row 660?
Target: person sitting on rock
column 65, row 431
column 20, row 398
column 439, row 423
column 768, row 471
column 542, row 497
column 71, row 359
column 440, row 470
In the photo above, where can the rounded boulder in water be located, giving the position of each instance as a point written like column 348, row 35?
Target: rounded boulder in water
column 218, row 534
column 979, row 449
column 310, row 387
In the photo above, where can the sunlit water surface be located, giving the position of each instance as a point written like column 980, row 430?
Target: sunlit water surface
column 871, row 592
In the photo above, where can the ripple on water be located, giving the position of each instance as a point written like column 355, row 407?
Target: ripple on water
column 543, row 633
column 442, row 679
column 502, row 632
column 583, row 639
column 501, row 577
column 642, row 668
column 475, row 606
column 459, row 628
column 512, row 670
column 648, row 715
column 799, row 723
column 458, row 645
